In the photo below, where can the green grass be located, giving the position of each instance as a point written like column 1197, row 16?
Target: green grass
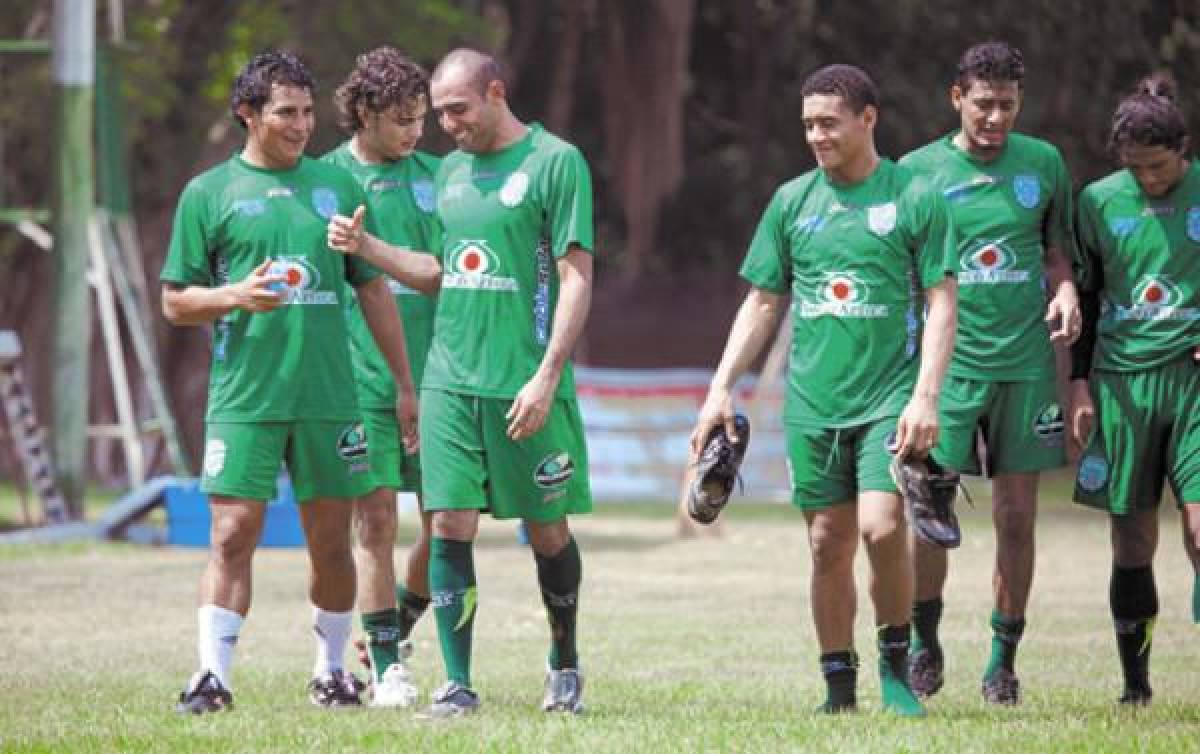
column 697, row 645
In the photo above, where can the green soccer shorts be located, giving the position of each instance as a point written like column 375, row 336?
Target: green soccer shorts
column 831, row 466
column 390, row 465
column 1021, row 422
column 1147, row 431
column 325, row 459
column 469, row 463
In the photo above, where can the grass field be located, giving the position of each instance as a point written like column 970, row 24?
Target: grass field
column 698, row 645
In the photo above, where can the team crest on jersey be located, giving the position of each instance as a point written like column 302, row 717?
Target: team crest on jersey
column 250, row 207
column 1093, row 473
column 1193, row 223
column 1122, row 227
column 989, row 263
column 514, row 189
column 325, row 202
column 1048, row 425
column 301, row 282
column 352, row 447
column 1028, row 190
column 881, row 218
column 423, row 194
column 214, row 457
column 554, row 470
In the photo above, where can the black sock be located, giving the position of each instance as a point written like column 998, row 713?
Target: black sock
column 926, row 616
column 1134, row 601
column 893, row 650
column 841, row 677
column 559, row 577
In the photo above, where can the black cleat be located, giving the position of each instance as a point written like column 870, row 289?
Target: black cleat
column 926, row 672
column 1136, row 697
column 204, row 693
column 929, row 491
column 336, row 689
column 717, row 470
column 1002, row 687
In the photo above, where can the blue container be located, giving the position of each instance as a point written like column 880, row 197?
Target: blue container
column 188, row 518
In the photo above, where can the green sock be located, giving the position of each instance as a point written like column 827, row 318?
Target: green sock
column 411, row 606
column 559, row 577
column 1196, row 598
column 840, row 670
column 454, row 598
column 898, row 696
column 1006, row 635
column 383, row 636
column 927, row 614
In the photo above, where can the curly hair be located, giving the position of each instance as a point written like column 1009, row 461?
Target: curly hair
column 990, row 61
column 381, row 78
column 1149, row 117
column 849, row 82
column 253, row 83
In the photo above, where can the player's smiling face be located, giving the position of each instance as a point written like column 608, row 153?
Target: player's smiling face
column 279, row 132
column 1157, row 169
column 837, row 135
column 471, row 117
column 393, row 134
column 988, row 111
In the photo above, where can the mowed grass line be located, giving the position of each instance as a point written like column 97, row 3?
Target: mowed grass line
column 697, row 645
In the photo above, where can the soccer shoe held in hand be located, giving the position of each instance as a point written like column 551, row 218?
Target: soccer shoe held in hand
column 929, row 491
column 717, row 470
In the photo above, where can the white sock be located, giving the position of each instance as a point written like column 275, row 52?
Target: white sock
column 333, row 633
column 218, row 636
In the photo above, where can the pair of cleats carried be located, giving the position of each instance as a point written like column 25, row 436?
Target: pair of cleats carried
column 926, row 676
column 928, row 491
column 717, row 470
column 563, row 693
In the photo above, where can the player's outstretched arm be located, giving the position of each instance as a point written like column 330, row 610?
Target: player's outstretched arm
column 383, row 319
column 755, row 323
column 199, row 305
column 535, row 398
column 917, row 429
column 420, row 271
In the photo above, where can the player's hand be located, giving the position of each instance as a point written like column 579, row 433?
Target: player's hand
column 1064, row 316
column 717, row 409
column 1083, row 413
column 406, row 415
column 917, row 428
column 529, row 409
column 260, row 291
column 1196, row 355
column 346, row 234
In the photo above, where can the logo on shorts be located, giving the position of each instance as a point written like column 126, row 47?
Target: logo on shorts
column 1048, row 426
column 881, row 218
column 1093, row 473
column 352, row 447
column 890, row 443
column 514, row 188
column 423, row 195
column 214, row 457
column 1028, row 190
column 554, row 470
column 325, row 202
column 989, row 263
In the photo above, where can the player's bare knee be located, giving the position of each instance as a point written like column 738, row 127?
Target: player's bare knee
column 832, row 552
column 375, row 527
column 548, row 540
column 460, row 526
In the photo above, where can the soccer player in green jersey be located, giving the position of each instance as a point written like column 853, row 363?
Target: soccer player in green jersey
column 383, row 103
column 248, row 256
column 861, row 245
column 1009, row 197
column 1134, row 376
column 500, row 426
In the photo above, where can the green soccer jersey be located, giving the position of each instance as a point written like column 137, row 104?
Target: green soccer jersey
column 507, row 217
column 852, row 258
column 1005, row 213
column 1142, row 256
column 400, row 197
column 294, row 362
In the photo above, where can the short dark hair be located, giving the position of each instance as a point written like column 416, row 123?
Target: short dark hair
column 482, row 67
column 1149, row 117
column 381, row 79
column 990, row 61
column 849, row 82
column 253, row 83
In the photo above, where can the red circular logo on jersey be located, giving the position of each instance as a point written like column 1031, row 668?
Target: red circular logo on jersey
column 1154, row 293
column 989, row 256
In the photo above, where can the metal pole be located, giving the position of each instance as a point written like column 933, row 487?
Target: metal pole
column 74, row 77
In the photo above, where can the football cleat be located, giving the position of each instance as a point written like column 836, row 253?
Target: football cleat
column 929, row 491
column 1136, row 697
column 925, row 673
column 335, row 690
column 1002, row 687
column 717, row 470
column 204, row 693
column 564, row 691
column 452, row 700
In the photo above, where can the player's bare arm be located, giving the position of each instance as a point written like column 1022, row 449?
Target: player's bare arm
column 535, row 398
column 199, row 305
column 1062, row 313
column 383, row 319
column 753, row 326
column 917, row 429
column 417, row 270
